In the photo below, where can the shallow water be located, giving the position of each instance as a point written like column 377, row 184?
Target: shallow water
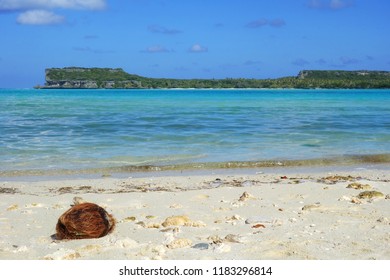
column 46, row 130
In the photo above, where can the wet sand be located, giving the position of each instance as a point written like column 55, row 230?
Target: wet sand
column 277, row 214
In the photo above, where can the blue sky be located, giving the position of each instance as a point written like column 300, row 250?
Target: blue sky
column 192, row 38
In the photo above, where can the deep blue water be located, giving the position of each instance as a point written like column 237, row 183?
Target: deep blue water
column 78, row 129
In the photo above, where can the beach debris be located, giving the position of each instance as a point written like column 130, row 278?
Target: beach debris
column 84, row 220
column 173, row 230
column 331, row 180
column 245, row 196
column 216, row 183
column 77, row 200
column 258, row 226
column 257, row 220
column 9, row 190
column 283, row 177
column 383, row 220
column 176, row 206
column 148, row 225
column 233, row 219
column 311, row 206
column 179, row 243
column 129, row 219
column 234, row 238
column 150, row 217
column 34, row 205
column 13, row 207
column 356, row 200
column 181, row 221
column 370, row 194
column 152, row 225
column 359, row 186
column 387, row 196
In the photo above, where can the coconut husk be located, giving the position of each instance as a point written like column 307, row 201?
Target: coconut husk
column 84, row 220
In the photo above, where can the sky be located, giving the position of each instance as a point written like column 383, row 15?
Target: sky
column 192, row 38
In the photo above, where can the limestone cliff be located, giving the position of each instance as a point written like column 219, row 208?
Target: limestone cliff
column 89, row 78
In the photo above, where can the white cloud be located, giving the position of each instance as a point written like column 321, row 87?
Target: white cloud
column 330, row 4
column 39, row 17
column 198, row 48
column 156, row 49
column 51, row 4
column 38, row 12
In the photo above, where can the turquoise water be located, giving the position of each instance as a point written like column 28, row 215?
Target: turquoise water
column 84, row 129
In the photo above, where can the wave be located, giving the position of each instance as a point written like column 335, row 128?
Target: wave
column 349, row 160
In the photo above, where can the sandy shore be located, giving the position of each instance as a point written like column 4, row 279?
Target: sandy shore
column 225, row 214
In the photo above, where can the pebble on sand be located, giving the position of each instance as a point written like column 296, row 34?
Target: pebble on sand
column 370, row 194
column 181, row 221
column 359, row 186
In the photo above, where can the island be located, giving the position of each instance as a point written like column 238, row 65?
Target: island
column 117, row 78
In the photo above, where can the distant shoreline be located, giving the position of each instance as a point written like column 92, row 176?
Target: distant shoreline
column 107, row 78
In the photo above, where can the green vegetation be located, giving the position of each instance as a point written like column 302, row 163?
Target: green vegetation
column 76, row 77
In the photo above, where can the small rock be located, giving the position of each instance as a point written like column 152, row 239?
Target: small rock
column 370, row 194
column 150, row 217
column 356, row 200
column 12, row 207
column 311, row 206
column 182, row 221
column 129, row 219
column 215, row 239
column 359, row 186
column 292, row 220
column 245, row 196
column 257, row 219
column 234, row 238
column 201, row 246
column 179, row 243
column 345, row 198
column 176, row 221
column 153, row 225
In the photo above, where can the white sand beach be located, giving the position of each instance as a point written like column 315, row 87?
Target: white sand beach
column 275, row 214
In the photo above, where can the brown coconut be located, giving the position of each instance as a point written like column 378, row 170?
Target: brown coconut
column 85, row 220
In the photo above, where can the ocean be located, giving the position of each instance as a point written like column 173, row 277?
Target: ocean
column 46, row 131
